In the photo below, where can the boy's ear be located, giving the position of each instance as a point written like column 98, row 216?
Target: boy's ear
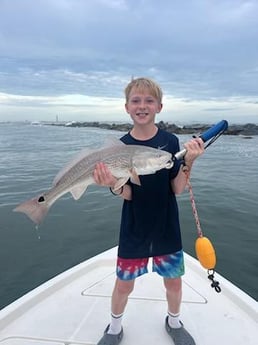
column 126, row 108
column 160, row 108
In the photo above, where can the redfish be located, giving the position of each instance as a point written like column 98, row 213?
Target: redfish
column 124, row 161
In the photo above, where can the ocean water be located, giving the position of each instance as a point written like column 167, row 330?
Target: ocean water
column 224, row 182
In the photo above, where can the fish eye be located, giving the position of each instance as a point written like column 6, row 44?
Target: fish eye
column 41, row 199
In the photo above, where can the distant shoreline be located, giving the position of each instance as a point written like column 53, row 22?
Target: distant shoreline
column 247, row 130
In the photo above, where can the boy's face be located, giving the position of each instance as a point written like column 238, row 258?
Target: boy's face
column 142, row 106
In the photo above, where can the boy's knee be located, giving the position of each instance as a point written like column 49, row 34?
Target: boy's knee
column 124, row 287
column 173, row 284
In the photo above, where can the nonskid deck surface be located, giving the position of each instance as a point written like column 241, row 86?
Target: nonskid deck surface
column 74, row 309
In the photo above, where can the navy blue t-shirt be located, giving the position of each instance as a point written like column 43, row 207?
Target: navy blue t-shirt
column 150, row 221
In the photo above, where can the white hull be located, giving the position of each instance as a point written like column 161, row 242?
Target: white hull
column 74, row 308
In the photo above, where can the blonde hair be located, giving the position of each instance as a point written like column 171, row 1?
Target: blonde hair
column 143, row 84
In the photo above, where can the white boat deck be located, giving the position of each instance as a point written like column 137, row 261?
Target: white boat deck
column 74, row 308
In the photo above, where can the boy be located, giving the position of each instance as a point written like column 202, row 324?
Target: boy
column 149, row 222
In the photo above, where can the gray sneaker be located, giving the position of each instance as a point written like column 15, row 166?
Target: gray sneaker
column 180, row 336
column 111, row 339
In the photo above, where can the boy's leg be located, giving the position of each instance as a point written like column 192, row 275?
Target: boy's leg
column 171, row 267
column 127, row 271
column 174, row 294
column 174, row 326
column 114, row 332
column 120, row 294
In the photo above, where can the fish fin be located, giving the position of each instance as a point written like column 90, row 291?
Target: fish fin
column 135, row 178
column 77, row 158
column 36, row 210
column 78, row 190
column 109, row 142
column 120, row 182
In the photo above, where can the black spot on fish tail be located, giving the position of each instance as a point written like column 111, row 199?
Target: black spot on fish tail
column 41, row 199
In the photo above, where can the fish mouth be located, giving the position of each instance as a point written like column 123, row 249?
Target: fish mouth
column 169, row 164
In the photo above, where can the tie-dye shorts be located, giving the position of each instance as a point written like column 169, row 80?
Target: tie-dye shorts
column 168, row 266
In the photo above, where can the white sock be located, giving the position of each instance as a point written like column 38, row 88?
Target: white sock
column 115, row 324
column 173, row 320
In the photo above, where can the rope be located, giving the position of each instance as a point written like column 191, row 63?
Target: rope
column 214, row 283
column 195, row 213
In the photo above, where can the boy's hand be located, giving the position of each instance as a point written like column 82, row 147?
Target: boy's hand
column 194, row 148
column 103, row 176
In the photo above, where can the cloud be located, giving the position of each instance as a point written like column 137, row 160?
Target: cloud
column 196, row 49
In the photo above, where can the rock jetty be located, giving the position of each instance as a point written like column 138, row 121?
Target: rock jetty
column 247, row 130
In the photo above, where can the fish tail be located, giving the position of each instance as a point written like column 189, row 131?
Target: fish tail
column 36, row 209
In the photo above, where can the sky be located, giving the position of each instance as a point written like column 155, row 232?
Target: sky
column 72, row 59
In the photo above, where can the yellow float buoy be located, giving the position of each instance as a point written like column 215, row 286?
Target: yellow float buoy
column 205, row 252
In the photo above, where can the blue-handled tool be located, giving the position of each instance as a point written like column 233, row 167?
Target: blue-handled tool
column 211, row 134
column 220, row 127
